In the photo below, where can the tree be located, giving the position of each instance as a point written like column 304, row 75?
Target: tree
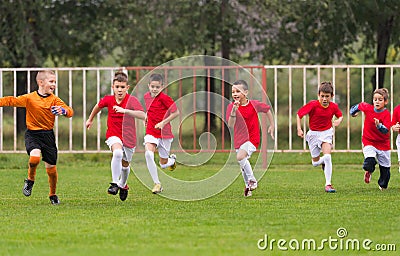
column 67, row 32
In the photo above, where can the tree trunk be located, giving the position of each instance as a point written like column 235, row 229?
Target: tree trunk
column 383, row 41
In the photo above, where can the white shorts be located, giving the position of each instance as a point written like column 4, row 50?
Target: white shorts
column 383, row 156
column 163, row 145
column 128, row 152
column 248, row 147
column 316, row 138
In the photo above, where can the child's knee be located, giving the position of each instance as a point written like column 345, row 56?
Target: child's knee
column 34, row 161
column 118, row 153
column 369, row 164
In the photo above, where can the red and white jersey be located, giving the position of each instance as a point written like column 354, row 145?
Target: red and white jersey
column 118, row 124
column 371, row 135
column 320, row 118
column 159, row 108
column 247, row 126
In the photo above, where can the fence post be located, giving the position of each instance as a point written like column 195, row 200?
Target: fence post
column 264, row 121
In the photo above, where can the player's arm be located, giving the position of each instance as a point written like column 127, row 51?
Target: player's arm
column 232, row 114
column 60, row 108
column 354, row 110
column 134, row 113
column 271, row 127
column 11, row 101
column 96, row 109
column 300, row 132
column 338, row 121
column 171, row 117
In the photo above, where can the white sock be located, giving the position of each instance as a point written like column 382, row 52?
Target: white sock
column 116, row 165
column 124, row 176
column 170, row 162
column 151, row 165
column 246, row 167
column 246, row 180
column 320, row 161
column 328, row 169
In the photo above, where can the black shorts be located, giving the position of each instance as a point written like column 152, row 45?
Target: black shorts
column 45, row 141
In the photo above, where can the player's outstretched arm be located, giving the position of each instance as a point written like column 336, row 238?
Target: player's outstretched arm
column 95, row 111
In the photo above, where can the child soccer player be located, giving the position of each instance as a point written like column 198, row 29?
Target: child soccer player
column 396, row 128
column 121, row 131
column 41, row 108
column 319, row 137
column 376, row 136
column 161, row 110
column 242, row 115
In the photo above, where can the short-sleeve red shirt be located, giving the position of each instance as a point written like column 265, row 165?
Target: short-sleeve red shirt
column 371, row 135
column 159, row 108
column 247, row 126
column 118, row 124
column 320, row 118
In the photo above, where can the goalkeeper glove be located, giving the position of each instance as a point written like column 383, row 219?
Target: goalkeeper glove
column 57, row 110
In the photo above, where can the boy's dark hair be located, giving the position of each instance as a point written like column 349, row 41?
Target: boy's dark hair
column 384, row 92
column 326, row 87
column 156, row 77
column 243, row 83
column 120, row 76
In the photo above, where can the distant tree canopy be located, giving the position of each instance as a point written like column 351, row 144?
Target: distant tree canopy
column 150, row 32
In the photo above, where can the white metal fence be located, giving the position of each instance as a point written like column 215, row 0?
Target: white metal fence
column 288, row 88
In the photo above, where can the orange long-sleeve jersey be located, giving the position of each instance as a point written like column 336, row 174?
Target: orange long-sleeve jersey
column 38, row 109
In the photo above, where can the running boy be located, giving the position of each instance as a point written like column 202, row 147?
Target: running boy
column 121, row 131
column 396, row 128
column 161, row 110
column 376, row 136
column 41, row 108
column 242, row 115
column 319, row 137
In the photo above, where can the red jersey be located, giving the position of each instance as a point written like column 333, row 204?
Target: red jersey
column 320, row 118
column 159, row 108
column 371, row 135
column 38, row 112
column 118, row 124
column 247, row 126
column 396, row 115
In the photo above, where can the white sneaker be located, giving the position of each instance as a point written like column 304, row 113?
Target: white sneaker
column 157, row 188
column 252, row 185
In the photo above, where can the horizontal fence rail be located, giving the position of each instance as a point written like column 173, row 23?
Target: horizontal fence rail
column 288, row 88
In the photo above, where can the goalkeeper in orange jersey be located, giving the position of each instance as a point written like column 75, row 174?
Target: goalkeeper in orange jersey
column 42, row 106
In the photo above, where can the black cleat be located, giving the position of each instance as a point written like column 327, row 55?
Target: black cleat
column 54, row 200
column 113, row 189
column 28, row 185
column 123, row 193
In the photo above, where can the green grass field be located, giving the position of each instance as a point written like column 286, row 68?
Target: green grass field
column 290, row 204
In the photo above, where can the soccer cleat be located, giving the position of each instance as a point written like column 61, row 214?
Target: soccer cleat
column 399, row 168
column 252, row 185
column 54, row 200
column 172, row 167
column 367, row 177
column 247, row 192
column 123, row 193
column 113, row 189
column 382, row 189
column 157, row 188
column 329, row 189
column 28, row 185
